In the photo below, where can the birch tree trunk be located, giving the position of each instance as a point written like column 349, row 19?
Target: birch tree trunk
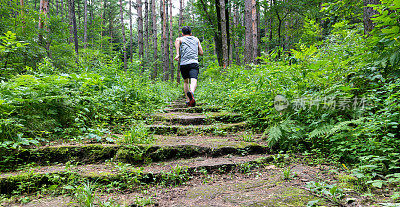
column 121, row 11
column 225, row 48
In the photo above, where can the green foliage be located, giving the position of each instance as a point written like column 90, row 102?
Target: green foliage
column 9, row 45
column 331, row 192
column 351, row 10
column 85, row 196
column 386, row 36
column 139, row 134
column 248, row 136
column 178, row 175
column 287, row 174
column 362, row 130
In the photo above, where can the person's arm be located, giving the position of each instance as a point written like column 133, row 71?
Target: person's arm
column 177, row 47
column 200, row 49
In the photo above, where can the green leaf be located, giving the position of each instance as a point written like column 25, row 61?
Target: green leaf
column 69, row 187
column 393, row 30
column 394, row 58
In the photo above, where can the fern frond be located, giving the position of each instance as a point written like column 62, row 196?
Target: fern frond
column 274, row 135
column 327, row 130
column 321, row 131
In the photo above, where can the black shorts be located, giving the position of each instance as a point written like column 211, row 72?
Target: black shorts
column 190, row 71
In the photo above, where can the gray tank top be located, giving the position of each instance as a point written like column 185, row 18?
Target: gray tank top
column 189, row 50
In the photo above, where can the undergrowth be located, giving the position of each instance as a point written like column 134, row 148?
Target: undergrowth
column 338, row 101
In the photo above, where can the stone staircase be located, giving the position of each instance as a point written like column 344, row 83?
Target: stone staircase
column 191, row 145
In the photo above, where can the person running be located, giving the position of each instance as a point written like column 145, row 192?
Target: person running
column 188, row 48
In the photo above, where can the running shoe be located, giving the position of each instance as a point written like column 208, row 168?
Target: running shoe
column 192, row 102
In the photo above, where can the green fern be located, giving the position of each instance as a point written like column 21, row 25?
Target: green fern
column 286, row 128
column 274, row 135
column 321, row 131
column 327, row 130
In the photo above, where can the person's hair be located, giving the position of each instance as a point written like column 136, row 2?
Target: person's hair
column 186, row 30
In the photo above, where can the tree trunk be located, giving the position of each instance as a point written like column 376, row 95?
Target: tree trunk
column 167, row 34
column 236, row 39
column 271, row 19
column 171, row 43
column 228, row 36
column 57, row 9
column 79, row 15
column 110, row 27
column 74, row 28
column 178, row 75
column 279, row 31
column 103, row 19
column 91, row 19
column 21, row 2
column 164, row 41
column 130, row 32
column 140, row 28
column 248, row 51
column 368, row 13
column 155, row 58
column 146, row 29
column 85, row 24
column 218, row 37
column 44, row 6
column 258, row 49
column 255, row 26
column 61, row 8
column 123, row 33
column 225, row 48
column 231, row 44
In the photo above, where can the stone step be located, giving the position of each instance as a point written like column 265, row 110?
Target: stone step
column 238, row 140
column 111, row 172
column 200, row 109
column 139, row 154
column 184, row 118
column 183, row 105
column 216, row 129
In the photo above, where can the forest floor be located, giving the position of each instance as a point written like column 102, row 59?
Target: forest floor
column 200, row 156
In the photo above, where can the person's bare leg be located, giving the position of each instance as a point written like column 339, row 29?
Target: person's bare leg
column 193, row 84
column 186, row 88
